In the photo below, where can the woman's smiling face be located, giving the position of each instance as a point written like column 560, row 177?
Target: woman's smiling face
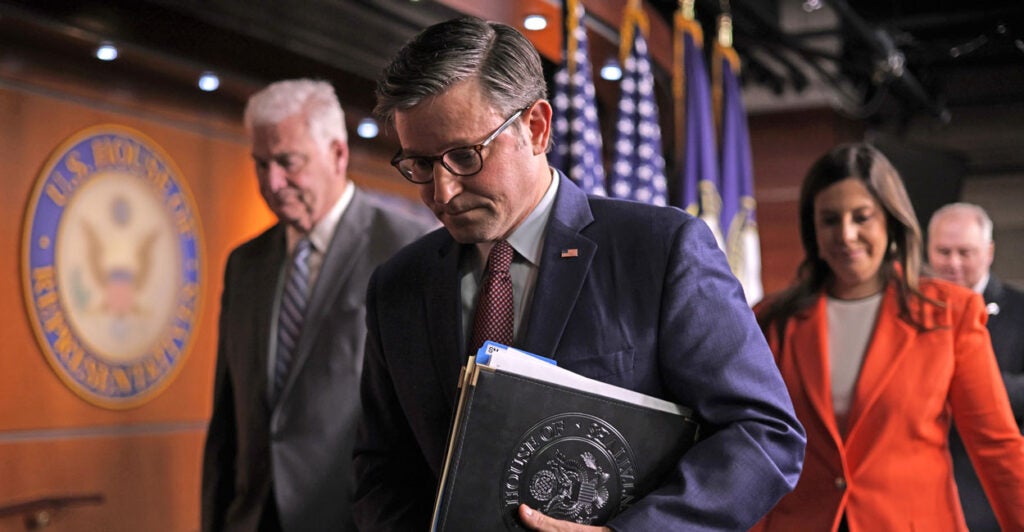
column 850, row 228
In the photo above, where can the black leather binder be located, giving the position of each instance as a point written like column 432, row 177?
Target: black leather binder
column 565, row 448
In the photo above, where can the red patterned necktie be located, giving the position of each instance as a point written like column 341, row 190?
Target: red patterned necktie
column 494, row 311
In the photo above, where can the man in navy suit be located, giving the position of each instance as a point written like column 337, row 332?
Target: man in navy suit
column 961, row 250
column 634, row 295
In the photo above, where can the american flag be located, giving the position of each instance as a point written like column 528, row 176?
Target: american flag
column 638, row 167
column 738, row 206
column 576, row 132
column 700, row 163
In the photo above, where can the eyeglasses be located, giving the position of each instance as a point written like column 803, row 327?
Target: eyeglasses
column 462, row 161
column 291, row 163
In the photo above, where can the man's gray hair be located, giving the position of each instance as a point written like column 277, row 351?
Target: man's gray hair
column 313, row 99
column 506, row 64
column 971, row 209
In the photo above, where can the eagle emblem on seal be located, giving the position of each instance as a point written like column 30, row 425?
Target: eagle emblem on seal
column 571, row 488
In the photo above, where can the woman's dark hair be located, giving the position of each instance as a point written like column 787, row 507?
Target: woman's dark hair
column 903, row 259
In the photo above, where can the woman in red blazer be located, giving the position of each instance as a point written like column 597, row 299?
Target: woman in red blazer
column 879, row 361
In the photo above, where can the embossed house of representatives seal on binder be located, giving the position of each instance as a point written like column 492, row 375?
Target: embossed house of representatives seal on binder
column 574, row 467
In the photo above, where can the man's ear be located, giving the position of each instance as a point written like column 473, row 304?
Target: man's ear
column 539, row 119
column 339, row 156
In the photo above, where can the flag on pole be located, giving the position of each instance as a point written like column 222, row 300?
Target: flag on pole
column 638, row 167
column 576, row 132
column 743, row 247
column 695, row 125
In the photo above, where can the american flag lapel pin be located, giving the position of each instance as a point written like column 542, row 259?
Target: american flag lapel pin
column 570, row 253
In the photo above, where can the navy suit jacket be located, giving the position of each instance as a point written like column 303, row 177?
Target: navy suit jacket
column 1006, row 327
column 302, row 445
column 649, row 303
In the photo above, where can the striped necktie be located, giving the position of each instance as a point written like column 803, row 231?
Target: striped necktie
column 291, row 314
column 495, row 314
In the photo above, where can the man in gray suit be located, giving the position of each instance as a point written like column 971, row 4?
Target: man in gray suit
column 292, row 324
column 961, row 250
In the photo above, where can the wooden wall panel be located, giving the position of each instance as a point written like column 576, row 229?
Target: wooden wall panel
column 784, row 145
column 148, row 482
column 144, row 460
column 216, row 169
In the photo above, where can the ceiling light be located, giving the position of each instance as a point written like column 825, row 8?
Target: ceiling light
column 106, row 51
column 611, row 70
column 209, row 81
column 535, row 22
column 810, row 6
column 367, row 128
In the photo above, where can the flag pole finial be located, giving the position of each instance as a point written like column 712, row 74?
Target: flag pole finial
column 725, row 29
column 687, row 7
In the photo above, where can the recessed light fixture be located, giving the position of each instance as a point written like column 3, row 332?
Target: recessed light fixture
column 209, row 81
column 106, row 51
column 535, row 22
column 611, row 70
column 810, row 6
column 367, row 128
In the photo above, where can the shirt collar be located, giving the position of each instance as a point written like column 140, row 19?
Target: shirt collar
column 322, row 232
column 528, row 238
column 982, row 283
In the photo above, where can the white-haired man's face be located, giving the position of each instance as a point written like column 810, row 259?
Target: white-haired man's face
column 300, row 178
column 957, row 249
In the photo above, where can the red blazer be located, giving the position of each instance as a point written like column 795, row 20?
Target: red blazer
column 893, row 471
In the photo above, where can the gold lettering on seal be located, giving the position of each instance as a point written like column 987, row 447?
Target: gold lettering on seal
column 97, row 375
column 157, row 175
column 59, row 187
column 77, row 167
column 115, row 152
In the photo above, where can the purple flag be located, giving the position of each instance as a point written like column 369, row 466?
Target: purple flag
column 738, row 206
column 700, row 164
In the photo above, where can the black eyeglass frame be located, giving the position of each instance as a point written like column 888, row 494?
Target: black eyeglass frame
column 397, row 160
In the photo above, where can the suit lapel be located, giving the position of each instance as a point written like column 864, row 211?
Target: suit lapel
column 444, row 317
column 559, row 282
column 346, row 247
column 889, row 343
column 810, row 336
column 565, row 260
column 266, row 273
column 993, row 292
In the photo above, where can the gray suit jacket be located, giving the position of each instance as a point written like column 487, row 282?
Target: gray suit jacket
column 302, row 445
column 1006, row 327
column 645, row 301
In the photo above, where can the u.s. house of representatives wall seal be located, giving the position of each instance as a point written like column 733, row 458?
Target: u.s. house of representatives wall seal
column 112, row 266
column 574, row 467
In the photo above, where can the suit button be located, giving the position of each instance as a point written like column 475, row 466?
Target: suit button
column 840, row 483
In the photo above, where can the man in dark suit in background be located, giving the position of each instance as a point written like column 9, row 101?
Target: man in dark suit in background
column 630, row 294
column 292, row 325
column 960, row 249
